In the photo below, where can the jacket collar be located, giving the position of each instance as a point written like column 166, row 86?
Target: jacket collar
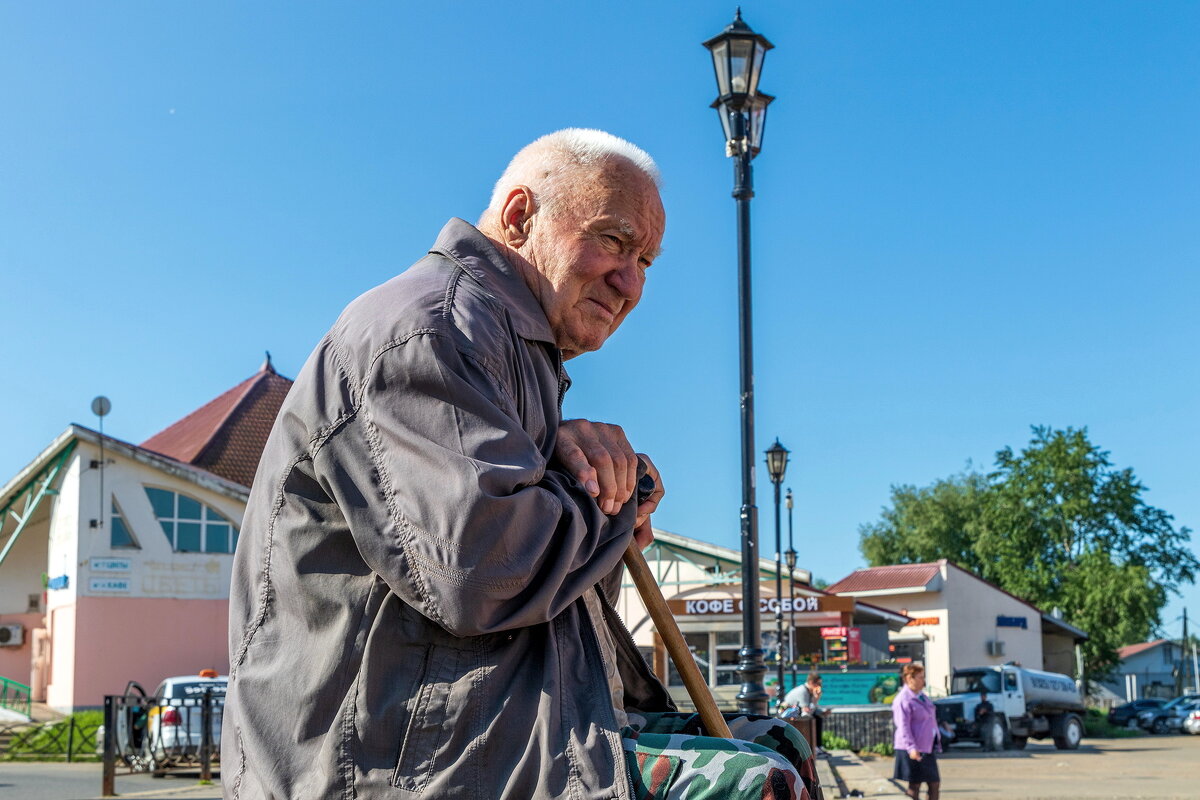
column 475, row 253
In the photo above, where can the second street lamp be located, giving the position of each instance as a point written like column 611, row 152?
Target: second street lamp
column 791, row 565
column 777, row 461
column 737, row 55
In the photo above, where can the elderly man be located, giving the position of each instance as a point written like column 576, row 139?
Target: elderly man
column 422, row 599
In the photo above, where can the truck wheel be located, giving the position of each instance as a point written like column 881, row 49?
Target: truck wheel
column 1072, row 734
column 995, row 734
column 1019, row 742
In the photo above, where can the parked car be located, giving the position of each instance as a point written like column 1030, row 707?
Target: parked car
column 1170, row 717
column 1124, row 714
column 1191, row 723
column 174, row 727
column 167, row 726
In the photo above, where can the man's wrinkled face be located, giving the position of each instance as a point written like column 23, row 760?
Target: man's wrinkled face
column 592, row 254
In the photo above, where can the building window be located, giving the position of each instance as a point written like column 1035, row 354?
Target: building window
column 191, row 526
column 120, row 536
column 698, row 644
column 728, row 643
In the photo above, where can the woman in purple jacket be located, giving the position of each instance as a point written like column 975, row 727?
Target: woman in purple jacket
column 916, row 738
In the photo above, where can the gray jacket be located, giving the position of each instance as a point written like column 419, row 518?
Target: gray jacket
column 406, row 615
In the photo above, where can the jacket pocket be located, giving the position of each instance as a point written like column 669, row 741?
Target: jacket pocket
column 428, row 723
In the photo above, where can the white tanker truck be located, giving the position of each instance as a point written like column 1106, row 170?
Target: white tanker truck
column 1025, row 703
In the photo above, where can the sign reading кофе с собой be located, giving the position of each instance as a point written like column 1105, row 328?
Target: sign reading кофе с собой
column 682, row 607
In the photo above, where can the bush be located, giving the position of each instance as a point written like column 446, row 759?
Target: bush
column 1097, row 726
column 833, row 742
column 52, row 738
column 881, row 749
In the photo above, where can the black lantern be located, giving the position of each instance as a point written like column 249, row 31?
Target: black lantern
column 738, row 54
column 777, row 461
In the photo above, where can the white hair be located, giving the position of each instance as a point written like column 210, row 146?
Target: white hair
column 548, row 165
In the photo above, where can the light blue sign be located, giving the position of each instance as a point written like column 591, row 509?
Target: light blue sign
column 859, row 688
column 108, row 585
column 111, row 565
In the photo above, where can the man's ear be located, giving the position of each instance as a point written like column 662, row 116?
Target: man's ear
column 516, row 216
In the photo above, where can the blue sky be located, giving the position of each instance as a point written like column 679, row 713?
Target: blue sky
column 970, row 218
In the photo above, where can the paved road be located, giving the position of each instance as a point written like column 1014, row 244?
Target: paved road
column 1151, row 768
column 1147, row 767
column 19, row 781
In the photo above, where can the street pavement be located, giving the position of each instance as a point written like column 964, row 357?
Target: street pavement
column 1149, row 767
column 22, row 781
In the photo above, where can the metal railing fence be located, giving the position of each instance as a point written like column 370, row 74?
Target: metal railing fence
column 157, row 734
column 15, row 696
column 70, row 739
column 862, row 728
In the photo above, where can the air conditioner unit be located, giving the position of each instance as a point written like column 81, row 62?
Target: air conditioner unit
column 995, row 647
column 12, row 635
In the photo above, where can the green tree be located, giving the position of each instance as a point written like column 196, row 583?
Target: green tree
column 938, row 521
column 1056, row 524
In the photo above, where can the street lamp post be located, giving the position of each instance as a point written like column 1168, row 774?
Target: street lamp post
column 791, row 565
column 737, row 54
column 777, row 460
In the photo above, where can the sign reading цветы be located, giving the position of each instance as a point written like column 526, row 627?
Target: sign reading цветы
column 111, row 565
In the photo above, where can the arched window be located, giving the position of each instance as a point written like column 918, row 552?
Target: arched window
column 191, row 526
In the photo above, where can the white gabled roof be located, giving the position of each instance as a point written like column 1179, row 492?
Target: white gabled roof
column 723, row 553
column 178, row 469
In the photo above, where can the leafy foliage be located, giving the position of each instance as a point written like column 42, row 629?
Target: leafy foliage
column 831, row 741
column 50, row 740
column 1056, row 524
column 939, row 521
column 882, row 749
column 1097, row 726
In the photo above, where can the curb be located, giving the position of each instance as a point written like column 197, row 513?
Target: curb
column 854, row 778
column 200, row 791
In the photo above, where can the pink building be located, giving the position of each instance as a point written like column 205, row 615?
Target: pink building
column 115, row 558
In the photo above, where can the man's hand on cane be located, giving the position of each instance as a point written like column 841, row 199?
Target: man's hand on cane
column 601, row 458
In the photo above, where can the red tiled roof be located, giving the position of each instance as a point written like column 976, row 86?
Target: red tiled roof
column 226, row 436
column 1133, row 649
column 894, row 576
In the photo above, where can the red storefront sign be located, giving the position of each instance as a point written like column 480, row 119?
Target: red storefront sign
column 854, row 644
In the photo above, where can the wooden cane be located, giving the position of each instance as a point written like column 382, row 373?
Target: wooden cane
column 664, row 621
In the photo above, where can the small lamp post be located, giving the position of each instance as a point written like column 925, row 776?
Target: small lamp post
column 737, row 55
column 791, row 565
column 777, row 461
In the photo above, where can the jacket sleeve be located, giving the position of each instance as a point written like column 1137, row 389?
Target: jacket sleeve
column 451, row 502
column 902, row 717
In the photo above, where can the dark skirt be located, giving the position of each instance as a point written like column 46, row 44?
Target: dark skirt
column 923, row 771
